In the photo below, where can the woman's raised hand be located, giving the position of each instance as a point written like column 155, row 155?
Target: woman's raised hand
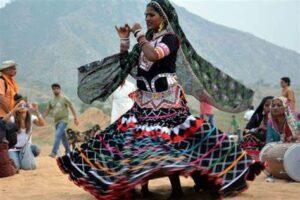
column 35, row 107
column 123, row 31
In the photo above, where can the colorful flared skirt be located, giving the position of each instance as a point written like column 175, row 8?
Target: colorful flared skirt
column 149, row 143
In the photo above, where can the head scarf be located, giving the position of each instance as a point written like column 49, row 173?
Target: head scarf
column 198, row 77
column 258, row 115
column 291, row 122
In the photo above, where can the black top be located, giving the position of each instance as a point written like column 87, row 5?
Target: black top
column 164, row 65
column 259, row 115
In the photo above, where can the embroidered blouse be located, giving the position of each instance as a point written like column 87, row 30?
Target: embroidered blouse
column 158, row 76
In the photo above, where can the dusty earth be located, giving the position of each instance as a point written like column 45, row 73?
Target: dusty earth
column 48, row 183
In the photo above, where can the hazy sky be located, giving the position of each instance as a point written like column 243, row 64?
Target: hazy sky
column 277, row 21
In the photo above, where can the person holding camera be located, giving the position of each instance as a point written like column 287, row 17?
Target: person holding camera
column 24, row 115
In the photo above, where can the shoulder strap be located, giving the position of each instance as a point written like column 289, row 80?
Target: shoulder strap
column 5, row 83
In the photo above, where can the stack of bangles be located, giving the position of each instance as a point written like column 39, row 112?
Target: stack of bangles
column 140, row 37
column 125, row 44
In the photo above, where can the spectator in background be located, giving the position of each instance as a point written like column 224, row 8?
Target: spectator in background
column 7, row 166
column 248, row 114
column 60, row 106
column 206, row 112
column 282, row 124
column 234, row 125
column 288, row 93
column 8, row 86
column 257, row 126
column 298, row 121
column 24, row 115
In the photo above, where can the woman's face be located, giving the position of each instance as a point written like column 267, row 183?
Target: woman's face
column 277, row 108
column 153, row 19
column 11, row 71
column 23, row 107
column 267, row 106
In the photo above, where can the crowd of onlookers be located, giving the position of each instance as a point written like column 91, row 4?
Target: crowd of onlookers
column 275, row 119
column 18, row 116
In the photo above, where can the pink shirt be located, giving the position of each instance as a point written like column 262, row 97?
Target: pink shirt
column 206, row 108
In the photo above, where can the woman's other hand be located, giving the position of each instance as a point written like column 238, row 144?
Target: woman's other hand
column 35, row 107
column 123, row 31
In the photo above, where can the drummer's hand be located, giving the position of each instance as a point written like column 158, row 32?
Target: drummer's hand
column 123, row 31
column 289, row 139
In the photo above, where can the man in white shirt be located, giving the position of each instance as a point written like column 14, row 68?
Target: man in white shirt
column 121, row 101
column 249, row 113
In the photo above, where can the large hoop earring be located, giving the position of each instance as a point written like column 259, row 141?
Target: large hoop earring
column 161, row 26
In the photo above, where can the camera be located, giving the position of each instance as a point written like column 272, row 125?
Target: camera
column 25, row 105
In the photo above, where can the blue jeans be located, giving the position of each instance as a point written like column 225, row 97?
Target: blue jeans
column 210, row 118
column 60, row 135
column 16, row 156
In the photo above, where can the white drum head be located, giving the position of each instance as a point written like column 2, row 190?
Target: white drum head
column 262, row 152
column 292, row 162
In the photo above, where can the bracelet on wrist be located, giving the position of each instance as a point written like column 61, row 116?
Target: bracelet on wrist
column 139, row 35
column 136, row 32
column 139, row 38
column 141, row 44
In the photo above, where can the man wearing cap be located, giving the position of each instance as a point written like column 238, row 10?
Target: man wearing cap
column 8, row 86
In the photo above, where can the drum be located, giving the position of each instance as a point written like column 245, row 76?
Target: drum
column 282, row 160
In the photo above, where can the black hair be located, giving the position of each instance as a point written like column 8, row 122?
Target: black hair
column 286, row 80
column 155, row 6
column 55, row 85
column 258, row 115
column 18, row 98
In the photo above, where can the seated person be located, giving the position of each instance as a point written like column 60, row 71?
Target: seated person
column 257, row 126
column 7, row 167
column 23, row 152
column 298, row 121
column 282, row 124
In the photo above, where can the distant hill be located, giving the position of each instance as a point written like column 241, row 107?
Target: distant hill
column 50, row 39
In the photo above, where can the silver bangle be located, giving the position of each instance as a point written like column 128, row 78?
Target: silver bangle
column 136, row 31
column 139, row 35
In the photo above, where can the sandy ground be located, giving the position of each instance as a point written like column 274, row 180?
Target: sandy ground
column 48, row 183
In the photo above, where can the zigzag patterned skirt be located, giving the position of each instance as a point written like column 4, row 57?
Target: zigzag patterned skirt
column 145, row 144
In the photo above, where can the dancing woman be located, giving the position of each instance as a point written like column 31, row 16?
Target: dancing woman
column 158, row 136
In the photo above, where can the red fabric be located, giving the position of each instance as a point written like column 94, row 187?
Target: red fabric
column 287, row 132
column 7, row 167
column 177, row 138
column 206, row 108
